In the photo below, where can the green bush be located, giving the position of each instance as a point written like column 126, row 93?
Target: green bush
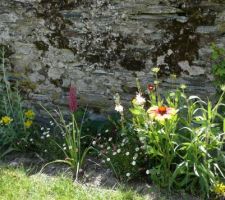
column 218, row 68
column 182, row 136
column 16, row 122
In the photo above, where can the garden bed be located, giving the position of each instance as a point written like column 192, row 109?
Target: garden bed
column 170, row 140
column 95, row 177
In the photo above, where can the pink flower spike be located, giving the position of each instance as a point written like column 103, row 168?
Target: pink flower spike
column 73, row 99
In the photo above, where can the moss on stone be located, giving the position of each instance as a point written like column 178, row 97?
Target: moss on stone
column 133, row 64
column 7, row 50
column 41, row 45
column 57, row 82
column 184, row 41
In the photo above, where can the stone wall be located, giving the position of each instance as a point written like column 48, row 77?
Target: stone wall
column 102, row 46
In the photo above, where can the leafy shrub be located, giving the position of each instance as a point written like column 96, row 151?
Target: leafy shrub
column 16, row 123
column 71, row 136
column 122, row 151
column 218, row 68
column 182, row 138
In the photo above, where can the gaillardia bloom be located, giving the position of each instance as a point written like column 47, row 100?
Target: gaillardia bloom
column 160, row 113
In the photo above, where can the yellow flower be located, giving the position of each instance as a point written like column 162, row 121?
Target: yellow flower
column 30, row 114
column 219, row 189
column 28, row 123
column 6, row 120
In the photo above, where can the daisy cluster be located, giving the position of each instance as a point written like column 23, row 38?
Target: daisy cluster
column 121, row 153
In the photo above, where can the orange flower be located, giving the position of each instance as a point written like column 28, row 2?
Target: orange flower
column 160, row 113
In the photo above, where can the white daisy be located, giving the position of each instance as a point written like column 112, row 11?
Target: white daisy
column 127, row 174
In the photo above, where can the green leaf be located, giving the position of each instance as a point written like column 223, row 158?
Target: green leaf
column 136, row 111
column 196, row 171
column 224, row 125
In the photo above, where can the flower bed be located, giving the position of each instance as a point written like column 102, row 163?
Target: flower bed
column 172, row 140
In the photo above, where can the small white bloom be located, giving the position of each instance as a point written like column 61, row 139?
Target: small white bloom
column 94, row 142
column 147, row 172
column 156, row 82
column 101, row 145
column 42, row 128
column 42, row 137
column 155, row 69
column 183, row 86
column 133, row 163
column 64, row 148
column 118, row 150
column 48, row 135
column 127, row 174
column 137, row 149
column 108, row 159
column 110, row 139
column 139, row 100
column 99, row 134
column 122, row 144
column 107, row 130
column 127, row 153
column 64, row 144
column 114, row 153
column 135, row 156
column 45, row 150
column 48, row 129
column 108, row 148
column 103, row 161
column 119, row 108
column 31, row 139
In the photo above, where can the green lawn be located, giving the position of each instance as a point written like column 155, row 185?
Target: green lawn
column 16, row 185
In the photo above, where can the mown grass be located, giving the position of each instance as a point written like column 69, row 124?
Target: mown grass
column 15, row 184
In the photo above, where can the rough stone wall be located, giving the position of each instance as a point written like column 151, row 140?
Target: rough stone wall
column 102, row 46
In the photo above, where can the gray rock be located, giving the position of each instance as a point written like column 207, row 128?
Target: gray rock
column 103, row 46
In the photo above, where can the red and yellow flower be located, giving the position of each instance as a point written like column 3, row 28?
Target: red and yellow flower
column 161, row 113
